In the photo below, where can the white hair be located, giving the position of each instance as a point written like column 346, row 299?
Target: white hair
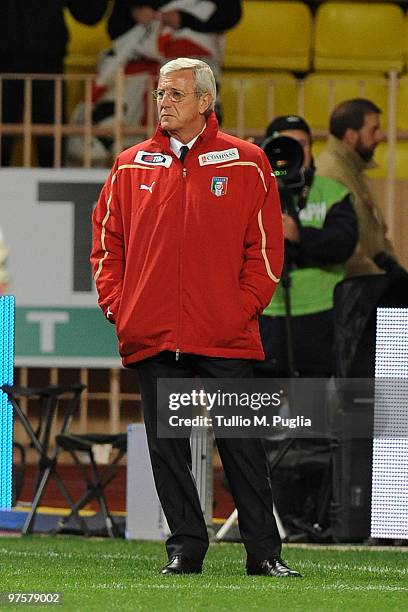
column 202, row 73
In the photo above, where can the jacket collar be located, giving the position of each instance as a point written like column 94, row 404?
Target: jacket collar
column 161, row 138
column 334, row 145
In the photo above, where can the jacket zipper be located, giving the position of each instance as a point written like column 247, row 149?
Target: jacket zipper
column 184, row 175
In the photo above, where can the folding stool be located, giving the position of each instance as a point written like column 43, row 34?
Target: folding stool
column 97, row 479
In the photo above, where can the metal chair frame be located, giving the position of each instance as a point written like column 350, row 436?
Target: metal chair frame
column 40, row 439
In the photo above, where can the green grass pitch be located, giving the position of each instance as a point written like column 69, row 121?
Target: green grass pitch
column 96, row 574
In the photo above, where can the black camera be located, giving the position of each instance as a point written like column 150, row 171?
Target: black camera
column 286, row 157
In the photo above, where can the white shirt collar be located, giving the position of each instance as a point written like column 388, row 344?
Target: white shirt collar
column 176, row 145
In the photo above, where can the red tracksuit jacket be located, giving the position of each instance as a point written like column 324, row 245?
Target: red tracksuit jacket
column 187, row 255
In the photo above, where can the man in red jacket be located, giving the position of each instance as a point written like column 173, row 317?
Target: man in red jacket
column 187, row 251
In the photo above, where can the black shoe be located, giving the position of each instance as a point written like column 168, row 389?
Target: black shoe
column 271, row 567
column 180, row 565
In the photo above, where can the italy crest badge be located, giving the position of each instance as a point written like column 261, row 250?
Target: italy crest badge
column 219, row 185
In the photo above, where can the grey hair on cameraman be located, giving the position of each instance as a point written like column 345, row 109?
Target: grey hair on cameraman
column 203, row 76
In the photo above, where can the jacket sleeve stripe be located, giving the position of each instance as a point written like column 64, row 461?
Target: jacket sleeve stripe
column 106, row 218
column 260, row 223
column 123, row 166
column 103, row 232
column 264, row 255
column 247, row 163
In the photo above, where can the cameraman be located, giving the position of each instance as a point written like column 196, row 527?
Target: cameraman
column 318, row 240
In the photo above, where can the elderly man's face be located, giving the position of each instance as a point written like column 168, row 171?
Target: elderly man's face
column 182, row 119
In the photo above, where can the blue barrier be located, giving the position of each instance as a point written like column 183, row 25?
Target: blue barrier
column 6, row 410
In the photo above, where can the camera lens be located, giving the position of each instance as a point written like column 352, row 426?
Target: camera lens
column 286, row 158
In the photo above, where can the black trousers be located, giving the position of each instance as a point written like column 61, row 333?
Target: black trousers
column 243, row 459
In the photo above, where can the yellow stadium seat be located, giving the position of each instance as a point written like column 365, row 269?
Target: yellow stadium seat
column 401, row 161
column 270, row 36
column 402, row 103
column 323, row 91
column 265, row 96
column 405, row 41
column 359, row 36
column 317, row 146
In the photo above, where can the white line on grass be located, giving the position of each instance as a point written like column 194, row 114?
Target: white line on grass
column 344, row 547
column 70, row 555
column 250, row 586
column 382, row 569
